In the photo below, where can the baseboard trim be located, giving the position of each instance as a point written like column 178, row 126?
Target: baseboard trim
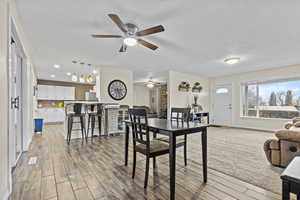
column 246, row 128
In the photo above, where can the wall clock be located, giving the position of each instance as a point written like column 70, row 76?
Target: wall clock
column 117, row 90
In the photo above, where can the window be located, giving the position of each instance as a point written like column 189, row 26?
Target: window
column 271, row 99
column 221, row 90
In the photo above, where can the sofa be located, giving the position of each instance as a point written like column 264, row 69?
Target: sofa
column 150, row 114
column 282, row 150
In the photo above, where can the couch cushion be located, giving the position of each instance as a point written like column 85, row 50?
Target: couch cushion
column 297, row 124
column 294, row 128
column 289, row 135
column 288, row 151
column 274, row 144
column 296, row 119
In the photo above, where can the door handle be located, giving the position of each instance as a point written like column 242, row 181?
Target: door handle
column 17, row 105
column 12, row 103
column 15, row 102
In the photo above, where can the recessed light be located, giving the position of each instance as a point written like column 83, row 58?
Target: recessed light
column 95, row 71
column 232, row 60
column 56, row 66
column 69, row 73
column 52, row 76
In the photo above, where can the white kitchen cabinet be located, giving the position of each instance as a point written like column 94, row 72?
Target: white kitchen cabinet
column 42, row 92
column 69, row 93
column 51, row 114
column 59, row 93
column 49, row 92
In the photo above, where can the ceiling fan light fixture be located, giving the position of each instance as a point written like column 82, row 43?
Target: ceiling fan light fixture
column 130, row 41
column 232, row 60
column 150, row 84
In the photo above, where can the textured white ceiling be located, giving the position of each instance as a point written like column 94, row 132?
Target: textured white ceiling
column 199, row 35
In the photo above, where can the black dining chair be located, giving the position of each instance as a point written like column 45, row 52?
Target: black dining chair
column 142, row 143
column 94, row 111
column 179, row 115
column 72, row 111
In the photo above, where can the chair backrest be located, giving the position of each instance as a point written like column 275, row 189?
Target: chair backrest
column 74, row 108
column 77, row 108
column 98, row 106
column 180, row 114
column 139, row 125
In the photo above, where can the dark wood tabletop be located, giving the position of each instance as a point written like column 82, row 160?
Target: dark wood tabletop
column 173, row 126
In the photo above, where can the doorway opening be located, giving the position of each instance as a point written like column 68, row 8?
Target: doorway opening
column 17, row 62
column 223, row 105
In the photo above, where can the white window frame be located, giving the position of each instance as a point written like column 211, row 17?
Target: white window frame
column 244, row 98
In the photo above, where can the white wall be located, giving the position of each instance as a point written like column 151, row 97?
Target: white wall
column 236, row 80
column 183, row 99
column 4, row 168
column 28, row 78
column 141, row 95
column 108, row 74
column 8, row 14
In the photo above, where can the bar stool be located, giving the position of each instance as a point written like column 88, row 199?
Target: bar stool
column 75, row 110
column 92, row 115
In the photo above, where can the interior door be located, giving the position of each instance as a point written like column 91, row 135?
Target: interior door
column 223, row 105
column 16, row 139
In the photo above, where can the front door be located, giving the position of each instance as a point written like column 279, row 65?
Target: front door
column 223, row 105
column 15, row 114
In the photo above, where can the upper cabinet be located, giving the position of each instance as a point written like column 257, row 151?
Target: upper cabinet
column 49, row 92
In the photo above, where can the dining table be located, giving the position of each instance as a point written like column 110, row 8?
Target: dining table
column 173, row 129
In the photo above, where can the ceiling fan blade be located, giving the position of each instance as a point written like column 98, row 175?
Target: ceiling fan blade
column 106, row 36
column 118, row 21
column 123, row 48
column 147, row 44
column 150, row 31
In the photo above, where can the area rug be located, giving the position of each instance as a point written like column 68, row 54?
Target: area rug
column 238, row 153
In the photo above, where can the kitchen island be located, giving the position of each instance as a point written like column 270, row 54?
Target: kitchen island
column 109, row 119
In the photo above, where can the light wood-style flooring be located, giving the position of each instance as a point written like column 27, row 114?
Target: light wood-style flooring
column 95, row 170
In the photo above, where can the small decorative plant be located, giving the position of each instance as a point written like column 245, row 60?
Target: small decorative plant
column 184, row 86
column 197, row 87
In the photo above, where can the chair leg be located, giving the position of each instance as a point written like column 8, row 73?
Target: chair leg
column 93, row 125
column 84, row 129
column 81, row 124
column 88, row 129
column 134, row 164
column 99, row 125
column 70, row 126
column 185, row 150
column 68, row 133
column 146, row 172
column 154, row 162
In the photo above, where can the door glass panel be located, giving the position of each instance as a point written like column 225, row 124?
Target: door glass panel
column 221, row 90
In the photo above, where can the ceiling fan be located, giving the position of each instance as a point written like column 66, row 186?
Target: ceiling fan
column 131, row 35
column 151, row 83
